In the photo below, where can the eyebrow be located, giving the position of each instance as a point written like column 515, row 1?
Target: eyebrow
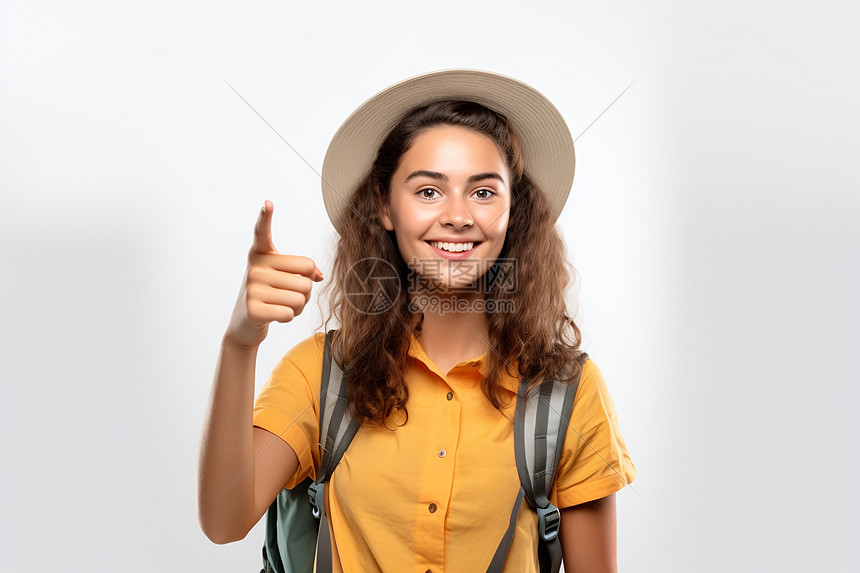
column 442, row 177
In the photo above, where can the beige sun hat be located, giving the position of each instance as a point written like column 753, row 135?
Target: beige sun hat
column 545, row 138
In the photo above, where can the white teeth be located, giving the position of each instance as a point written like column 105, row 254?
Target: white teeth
column 453, row 247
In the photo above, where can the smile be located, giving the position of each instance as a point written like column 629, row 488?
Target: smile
column 453, row 247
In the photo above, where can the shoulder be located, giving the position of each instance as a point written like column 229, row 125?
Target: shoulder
column 594, row 460
column 295, row 380
column 309, row 347
column 591, row 373
column 306, row 356
column 592, row 394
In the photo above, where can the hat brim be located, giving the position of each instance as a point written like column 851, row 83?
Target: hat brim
column 545, row 138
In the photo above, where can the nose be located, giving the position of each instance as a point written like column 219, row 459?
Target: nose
column 456, row 213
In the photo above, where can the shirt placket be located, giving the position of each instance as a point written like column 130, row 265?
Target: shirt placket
column 436, row 485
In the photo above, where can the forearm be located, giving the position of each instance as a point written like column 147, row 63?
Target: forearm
column 226, row 470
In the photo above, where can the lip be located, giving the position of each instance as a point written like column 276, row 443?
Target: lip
column 455, row 256
column 454, row 240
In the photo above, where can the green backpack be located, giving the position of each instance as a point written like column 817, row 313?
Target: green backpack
column 297, row 516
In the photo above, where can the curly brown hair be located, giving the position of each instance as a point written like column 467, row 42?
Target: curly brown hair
column 372, row 346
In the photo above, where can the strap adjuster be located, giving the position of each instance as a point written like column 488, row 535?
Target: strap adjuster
column 549, row 518
column 315, row 493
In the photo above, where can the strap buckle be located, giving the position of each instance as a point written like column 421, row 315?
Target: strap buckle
column 315, row 493
column 549, row 518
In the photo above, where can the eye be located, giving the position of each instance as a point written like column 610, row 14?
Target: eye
column 484, row 193
column 425, row 195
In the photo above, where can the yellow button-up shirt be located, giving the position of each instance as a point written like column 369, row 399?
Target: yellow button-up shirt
column 436, row 493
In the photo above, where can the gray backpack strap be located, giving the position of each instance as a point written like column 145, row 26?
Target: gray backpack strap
column 337, row 429
column 540, row 424
column 498, row 562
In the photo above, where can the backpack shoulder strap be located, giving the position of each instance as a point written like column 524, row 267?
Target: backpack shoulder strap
column 337, row 429
column 541, row 420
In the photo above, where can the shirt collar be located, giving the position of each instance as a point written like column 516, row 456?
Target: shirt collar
column 510, row 383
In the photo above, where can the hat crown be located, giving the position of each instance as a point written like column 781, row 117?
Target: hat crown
column 546, row 142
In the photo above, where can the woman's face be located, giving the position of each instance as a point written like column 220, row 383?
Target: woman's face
column 448, row 205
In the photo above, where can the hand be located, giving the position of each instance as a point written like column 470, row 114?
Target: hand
column 276, row 287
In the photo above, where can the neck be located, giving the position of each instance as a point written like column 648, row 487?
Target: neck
column 454, row 322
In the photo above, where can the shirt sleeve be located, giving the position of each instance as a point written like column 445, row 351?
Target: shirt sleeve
column 288, row 404
column 594, row 459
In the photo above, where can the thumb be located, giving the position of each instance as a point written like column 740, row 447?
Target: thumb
column 263, row 230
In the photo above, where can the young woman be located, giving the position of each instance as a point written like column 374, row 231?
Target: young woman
column 448, row 287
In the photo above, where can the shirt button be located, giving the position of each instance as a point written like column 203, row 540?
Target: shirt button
column 432, row 508
column 442, row 453
column 450, row 396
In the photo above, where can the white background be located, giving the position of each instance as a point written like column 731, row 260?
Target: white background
column 713, row 223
